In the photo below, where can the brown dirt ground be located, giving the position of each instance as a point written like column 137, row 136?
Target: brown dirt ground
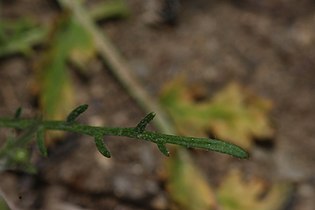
column 267, row 46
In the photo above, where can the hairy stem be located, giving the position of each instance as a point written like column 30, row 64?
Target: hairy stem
column 157, row 138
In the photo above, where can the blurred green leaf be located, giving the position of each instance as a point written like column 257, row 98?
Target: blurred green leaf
column 55, row 84
column 82, row 49
column 3, row 204
column 237, row 194
column 19, row 36
column 186, row 185
column 82, row 55
column 233, row 114
column 15, row 155
column 70, row 41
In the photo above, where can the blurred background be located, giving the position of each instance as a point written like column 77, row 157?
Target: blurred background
column 241, row 71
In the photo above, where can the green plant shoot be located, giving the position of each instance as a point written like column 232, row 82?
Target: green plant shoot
column 38, row 127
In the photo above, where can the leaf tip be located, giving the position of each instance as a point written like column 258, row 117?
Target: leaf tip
column 18, row 113
column 41, row 142
column 163, row 149
column 144, row 122
column 76, row 112
column 239, row 152
column 101, row 147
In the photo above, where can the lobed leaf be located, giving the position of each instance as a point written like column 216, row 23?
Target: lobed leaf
column 37, row 126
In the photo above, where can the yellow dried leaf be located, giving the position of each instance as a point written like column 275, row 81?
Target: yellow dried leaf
column 186, row 185
column 233, row 114
column 237, row 194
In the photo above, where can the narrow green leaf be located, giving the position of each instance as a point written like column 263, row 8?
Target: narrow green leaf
column 202, row 143
column 18, row 113
column 101, row 146
column 54, row 81
column 144, row 122
column 163, row 149
column 76, row 112
column 40, row 138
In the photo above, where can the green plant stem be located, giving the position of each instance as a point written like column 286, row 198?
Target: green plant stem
column 157, row 138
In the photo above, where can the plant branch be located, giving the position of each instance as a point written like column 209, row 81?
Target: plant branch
column 137, row 132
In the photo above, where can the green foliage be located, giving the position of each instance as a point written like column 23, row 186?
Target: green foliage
column 14, row 155
column 53, row 78
column 19, row 36
column 37, row 127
